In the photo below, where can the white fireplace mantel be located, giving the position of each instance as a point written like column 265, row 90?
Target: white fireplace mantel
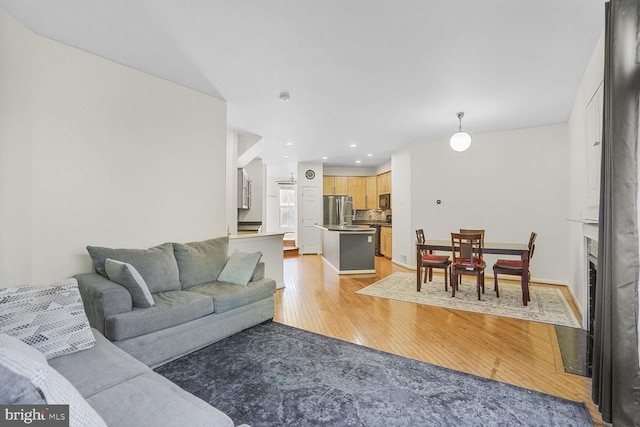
column 590, row 231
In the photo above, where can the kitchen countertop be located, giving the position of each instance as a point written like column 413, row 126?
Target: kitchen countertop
column 355, row 228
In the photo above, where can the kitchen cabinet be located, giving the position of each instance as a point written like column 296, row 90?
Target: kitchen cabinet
column 357, row 191
column 328, row 184
column 385, row 242
column 335, row 185
column 371, row 198
column 364, row 190
column 384, row 183
column 244, row 190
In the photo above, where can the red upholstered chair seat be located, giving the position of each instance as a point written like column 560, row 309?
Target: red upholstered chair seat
column 516, row 264
column 436, row 258
column 476, row 263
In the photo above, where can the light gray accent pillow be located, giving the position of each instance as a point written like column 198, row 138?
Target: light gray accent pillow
column 156, row 265
column 239, row 268
column 126, row 275
column 201, row 262
column 50, row 318
column 45, row 385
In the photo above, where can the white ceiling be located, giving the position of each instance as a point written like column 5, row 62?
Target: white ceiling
column 377, row 73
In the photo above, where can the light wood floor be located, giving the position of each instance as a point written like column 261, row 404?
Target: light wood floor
column 513, row 351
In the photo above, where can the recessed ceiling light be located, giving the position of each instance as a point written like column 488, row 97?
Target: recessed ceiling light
column 353, row 145
column 324, row 157
column 288, row 143
column 370, row 155
column 284, row 96
column 358, row 161
column 285, row 156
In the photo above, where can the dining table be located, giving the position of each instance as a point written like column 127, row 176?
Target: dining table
column 515, row 249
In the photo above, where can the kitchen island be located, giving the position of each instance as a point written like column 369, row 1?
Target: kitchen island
column 349, row 249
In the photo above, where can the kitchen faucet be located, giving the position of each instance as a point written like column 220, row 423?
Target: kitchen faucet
column 353, row 213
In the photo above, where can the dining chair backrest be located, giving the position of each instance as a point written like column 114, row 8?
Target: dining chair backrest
column 472, row 231
column 466, row 248
column 420, row 236
column 532, row 245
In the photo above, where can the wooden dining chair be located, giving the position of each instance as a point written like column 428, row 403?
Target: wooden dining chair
column 467, row 260
column 513, row 267
column 475, row 231
column 428, row 261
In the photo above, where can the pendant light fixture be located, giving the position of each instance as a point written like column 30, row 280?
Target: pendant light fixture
column 460, row 141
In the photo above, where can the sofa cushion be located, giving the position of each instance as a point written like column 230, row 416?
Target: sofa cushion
column 227, row 296
column 156, row 265
column 171, row 308
column 239, row 268
column 101, row 367
column 201, row 262
column 47, row 385
column 157, row 402
column 50, row 318
column 126, row 275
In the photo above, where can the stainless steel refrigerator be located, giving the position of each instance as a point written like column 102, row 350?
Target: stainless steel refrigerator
column 338, row 210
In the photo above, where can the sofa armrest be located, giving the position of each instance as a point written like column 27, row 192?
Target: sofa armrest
column 102, row 298
column 258, row 273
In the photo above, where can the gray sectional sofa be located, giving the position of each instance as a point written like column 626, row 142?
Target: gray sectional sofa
column 192, row 307
column 153, row 305
column 126, row 392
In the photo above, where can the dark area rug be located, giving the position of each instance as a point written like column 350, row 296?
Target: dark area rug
column 276, row 375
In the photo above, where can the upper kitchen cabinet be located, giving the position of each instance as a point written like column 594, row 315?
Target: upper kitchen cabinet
column 364, row 190
column 335, row 185
column 357, row 191
column 384, row 183
column 244, row 190
column 371, row 199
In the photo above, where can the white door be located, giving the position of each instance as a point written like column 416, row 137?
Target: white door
column 311, row 212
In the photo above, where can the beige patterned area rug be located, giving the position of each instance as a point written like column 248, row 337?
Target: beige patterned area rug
column 547, row 304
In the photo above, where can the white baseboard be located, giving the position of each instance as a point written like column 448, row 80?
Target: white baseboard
column 402, row 264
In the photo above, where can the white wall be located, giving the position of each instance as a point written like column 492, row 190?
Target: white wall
column 577, row 195
column 231, row 201
column 402, row 189
column 508, row 183
column 95, row 153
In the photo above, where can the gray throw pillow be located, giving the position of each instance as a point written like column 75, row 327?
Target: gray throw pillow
column 239, row 268
column 201, row 262
column 156, row 265
column 126, row 275
column 41, row 384
column 49, row 318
